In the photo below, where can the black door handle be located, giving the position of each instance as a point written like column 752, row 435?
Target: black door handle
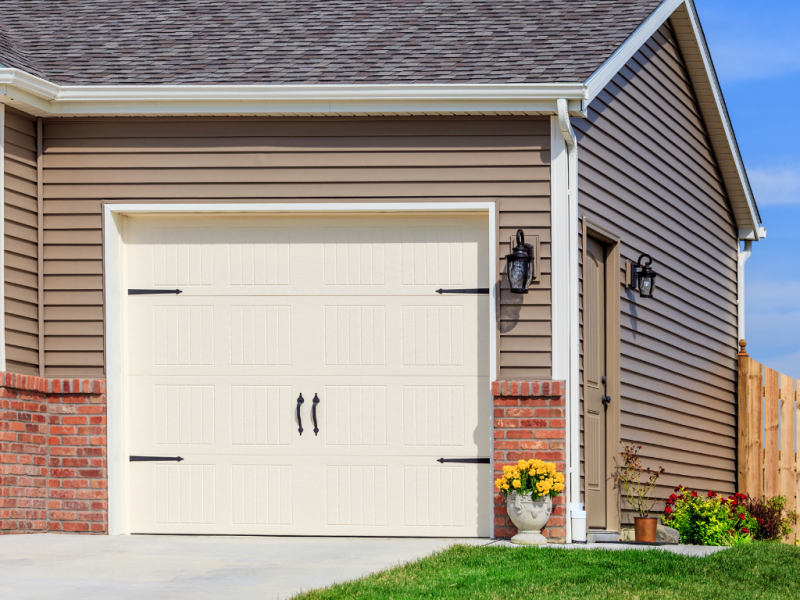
column 605, row 398
column 299, row 419
column 314, row 403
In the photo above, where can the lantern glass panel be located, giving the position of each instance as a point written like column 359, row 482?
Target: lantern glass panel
column 519, row 273
column 646, row 285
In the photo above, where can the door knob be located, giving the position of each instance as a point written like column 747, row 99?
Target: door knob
column 605, row 398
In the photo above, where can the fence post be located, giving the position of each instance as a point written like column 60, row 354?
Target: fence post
column 743, row 419
column 786, row 479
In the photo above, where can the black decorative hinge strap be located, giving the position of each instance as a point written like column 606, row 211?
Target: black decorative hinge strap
column 155, row 458
column 479, row 461
column 132, row 292
column 466, row 291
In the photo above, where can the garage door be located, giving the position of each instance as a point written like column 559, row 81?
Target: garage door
column 308, row 375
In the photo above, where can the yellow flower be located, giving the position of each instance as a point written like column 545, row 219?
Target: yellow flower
column 559, row 477
column 505, row 486
column 522, row 464
column 551, row 467
column 558, row 487
column 517, row 483
column 540, row 471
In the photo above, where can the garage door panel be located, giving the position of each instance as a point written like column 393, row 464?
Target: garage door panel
column 437, row 417
column 307, row 255
column 342, row 496
column 400, row 336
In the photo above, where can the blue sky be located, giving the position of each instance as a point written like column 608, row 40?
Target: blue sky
column 756, row 51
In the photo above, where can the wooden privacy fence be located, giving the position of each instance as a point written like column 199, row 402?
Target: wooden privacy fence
column 768, row 422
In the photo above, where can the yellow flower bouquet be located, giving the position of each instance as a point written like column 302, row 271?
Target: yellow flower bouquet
column 534, row 477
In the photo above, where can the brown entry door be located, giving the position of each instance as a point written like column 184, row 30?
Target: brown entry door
column 594, row 417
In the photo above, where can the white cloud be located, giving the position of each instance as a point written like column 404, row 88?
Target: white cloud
column 749, row 58
column 773, row 322
column 769, row 295
column 776, row 185
column 751, row 41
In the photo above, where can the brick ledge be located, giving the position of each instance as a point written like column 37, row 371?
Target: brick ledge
column 46, row 385
column 526, row 389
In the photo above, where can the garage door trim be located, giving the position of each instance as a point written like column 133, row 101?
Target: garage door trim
column 115, row 306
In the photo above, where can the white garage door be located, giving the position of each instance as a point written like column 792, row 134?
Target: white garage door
column 339, row 309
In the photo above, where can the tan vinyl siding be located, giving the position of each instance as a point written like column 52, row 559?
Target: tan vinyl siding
column 647, row 173
column 89, row 161
column 21, row 246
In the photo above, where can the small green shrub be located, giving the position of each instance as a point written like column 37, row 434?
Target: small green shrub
column 709, row 520
column 774, row 521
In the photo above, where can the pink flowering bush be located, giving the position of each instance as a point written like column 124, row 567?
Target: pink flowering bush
column 710, row 520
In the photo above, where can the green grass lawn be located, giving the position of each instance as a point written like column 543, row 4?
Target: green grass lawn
column 760, row 570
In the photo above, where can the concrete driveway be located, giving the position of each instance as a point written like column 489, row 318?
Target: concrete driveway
column 152, row 567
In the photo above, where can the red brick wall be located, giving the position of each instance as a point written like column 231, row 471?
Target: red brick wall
column 529, row 422
column 52, row 455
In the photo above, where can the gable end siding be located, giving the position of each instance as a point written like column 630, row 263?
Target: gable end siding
column 647, row 173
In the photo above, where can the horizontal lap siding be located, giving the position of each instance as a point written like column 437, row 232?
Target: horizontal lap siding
column 89, row 161
column 21, row 246
column 647, row 173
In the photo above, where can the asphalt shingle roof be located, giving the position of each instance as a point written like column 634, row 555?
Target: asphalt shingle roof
column 102, row 42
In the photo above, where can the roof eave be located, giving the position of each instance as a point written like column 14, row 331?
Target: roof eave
column 44, row 98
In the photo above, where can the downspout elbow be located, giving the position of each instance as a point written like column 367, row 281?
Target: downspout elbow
column 566, row 124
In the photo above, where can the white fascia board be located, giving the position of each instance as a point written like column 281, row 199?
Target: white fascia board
column 600, row 78
column 752, row 235
column 29, row 84
column 288, row 99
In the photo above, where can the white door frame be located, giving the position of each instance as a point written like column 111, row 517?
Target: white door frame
column 116, row 312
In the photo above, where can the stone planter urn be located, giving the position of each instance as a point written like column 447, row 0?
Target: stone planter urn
column 529, row 517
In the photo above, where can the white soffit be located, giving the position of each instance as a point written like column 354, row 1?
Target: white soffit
column 693, row 45
column 43, row 98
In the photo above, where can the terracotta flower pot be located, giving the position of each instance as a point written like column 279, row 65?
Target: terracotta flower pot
column 529, row 517
column 645, row 529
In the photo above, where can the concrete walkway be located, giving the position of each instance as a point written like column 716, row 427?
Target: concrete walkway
column 68, row 567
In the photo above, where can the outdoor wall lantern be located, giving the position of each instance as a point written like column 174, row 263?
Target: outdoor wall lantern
column 642, row 277
column 520, row 265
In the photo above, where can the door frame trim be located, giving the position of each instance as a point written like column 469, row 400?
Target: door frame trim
column 115, row 306
column 612, row 284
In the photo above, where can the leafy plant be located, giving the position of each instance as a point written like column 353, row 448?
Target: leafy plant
column 534, row 477
column 774, row 521
column 709, row 520
column 629, row 478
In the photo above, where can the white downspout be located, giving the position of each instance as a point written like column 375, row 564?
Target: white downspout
column 743, row 256
column 573, row 383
